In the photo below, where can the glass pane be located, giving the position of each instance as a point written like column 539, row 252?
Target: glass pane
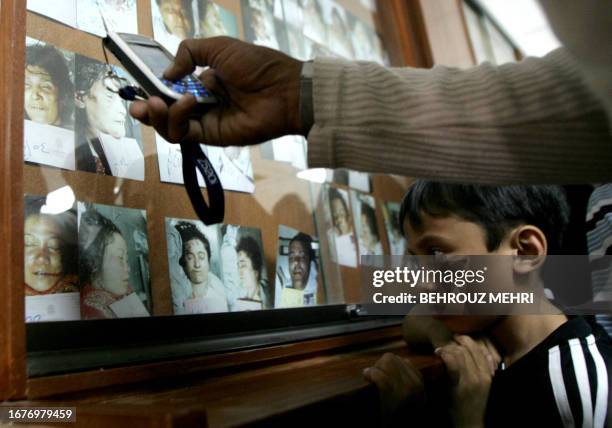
column 109, row 229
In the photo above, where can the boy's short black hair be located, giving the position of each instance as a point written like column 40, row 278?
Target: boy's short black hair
column 496, row 209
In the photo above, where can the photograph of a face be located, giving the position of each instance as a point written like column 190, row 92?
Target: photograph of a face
column 121, row 16
column 176, row 20
column 366, row 227
column 173, row 21
column 297, row 269
column 214, row 20
column 49, row 105
column 244, row 269
column 108, row 139
column 264, row 24
column 290, row 149
column 341, row 232
column 194, row 265
column 50, row 262
column 113, row 262
column 397, row 242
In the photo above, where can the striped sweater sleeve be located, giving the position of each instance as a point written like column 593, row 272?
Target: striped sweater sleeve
column 533, row 121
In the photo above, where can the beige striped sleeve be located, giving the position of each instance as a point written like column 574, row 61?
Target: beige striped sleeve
column 533, row 121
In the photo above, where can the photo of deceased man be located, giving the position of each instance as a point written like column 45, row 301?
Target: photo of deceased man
column 364, row 213
column 244, row 271
column 107, row 138
column 48, row 105
column 50, row 263
column 297, row 269
column 194, row 267
column 173, row 22
column 341, row 225
column 113, row 262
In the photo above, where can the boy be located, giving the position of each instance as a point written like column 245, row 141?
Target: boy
column 554, row 370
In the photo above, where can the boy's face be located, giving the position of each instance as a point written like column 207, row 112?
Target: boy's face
column 453, row 236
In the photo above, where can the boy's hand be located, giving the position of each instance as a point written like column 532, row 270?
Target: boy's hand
column 471, row 366
column 258, row 90
column 399, row 383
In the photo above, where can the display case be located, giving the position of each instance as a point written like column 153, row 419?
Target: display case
column 107, row 267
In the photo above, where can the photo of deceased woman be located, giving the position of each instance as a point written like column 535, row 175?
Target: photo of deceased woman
column 107, row 138
column 194, row 267
column 397, row 242
column 342, row 233
column 50, row 263
column 49, row 105
column 113, row 262
column 244, row 271
column 297, row 269
column 364, row 213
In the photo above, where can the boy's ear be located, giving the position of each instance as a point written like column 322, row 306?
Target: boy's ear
column 531, row 247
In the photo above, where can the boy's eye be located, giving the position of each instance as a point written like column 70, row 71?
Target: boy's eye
column 436, row 252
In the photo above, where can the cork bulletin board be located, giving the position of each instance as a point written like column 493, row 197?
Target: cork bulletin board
column 277, row 206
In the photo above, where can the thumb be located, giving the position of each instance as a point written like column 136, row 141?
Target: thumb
column 194, row 52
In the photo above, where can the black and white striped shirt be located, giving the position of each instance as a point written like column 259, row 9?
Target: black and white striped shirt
column 564, row 381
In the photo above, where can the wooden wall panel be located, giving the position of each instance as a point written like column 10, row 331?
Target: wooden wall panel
column 447, row 33
column 12, row 326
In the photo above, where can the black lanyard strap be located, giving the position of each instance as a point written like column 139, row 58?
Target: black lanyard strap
column 194, row 159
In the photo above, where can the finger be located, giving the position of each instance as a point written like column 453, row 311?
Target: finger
column 491, row 363
column 476, row 360
column 492, row 350
column 158, row 115
column 179, row 120
column 385, row 363
column 193, row 52
column 377, row 377
column 452, row 361
column 140, row 111
column 209, row 80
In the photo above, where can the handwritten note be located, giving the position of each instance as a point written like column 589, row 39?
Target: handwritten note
column 48, row 145
column 170, row 161
column 53, row 307
column 129, row 307
column 124, row 157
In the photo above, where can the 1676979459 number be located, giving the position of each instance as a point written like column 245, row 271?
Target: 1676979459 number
column 37, row 414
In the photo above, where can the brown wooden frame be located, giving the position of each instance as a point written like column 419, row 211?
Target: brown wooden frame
column 12, row 315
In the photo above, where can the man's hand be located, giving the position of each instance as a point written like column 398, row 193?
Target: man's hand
column 258, row 89
column 399, row 384
column 471, row 366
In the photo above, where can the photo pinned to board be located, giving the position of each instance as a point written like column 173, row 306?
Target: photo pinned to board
column 366, row 225
column 121, row 16
column 108, row 139
column 233, row 165
column 298, row 276
column 49, row 105
column 113, row 262
column 51, row 279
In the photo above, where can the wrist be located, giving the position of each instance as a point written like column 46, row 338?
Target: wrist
column 294, row 120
